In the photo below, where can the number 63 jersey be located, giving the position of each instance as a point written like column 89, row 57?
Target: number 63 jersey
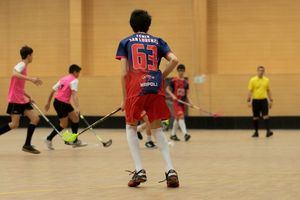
column 143, row 53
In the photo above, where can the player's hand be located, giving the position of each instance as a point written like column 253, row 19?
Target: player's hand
column 249, row 104
column 174, row 98
column 270, row 104
column 77, row 111
column 47, row 107
column 36, row 81
column 31, row 100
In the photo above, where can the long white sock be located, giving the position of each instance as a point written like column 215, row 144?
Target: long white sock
column 175, row 127
column 182, row 126
column 163, row 147
column 134, row 146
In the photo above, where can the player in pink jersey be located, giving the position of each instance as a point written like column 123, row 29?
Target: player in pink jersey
column 179, row 89
column 65, row 90
column 19, row 100
column 143, row 92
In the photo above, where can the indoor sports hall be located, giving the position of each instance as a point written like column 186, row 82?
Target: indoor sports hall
column 234, row 137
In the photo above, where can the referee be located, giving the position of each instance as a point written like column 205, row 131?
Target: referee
column 260, row 99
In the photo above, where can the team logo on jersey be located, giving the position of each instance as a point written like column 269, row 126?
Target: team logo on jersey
column 151, row 82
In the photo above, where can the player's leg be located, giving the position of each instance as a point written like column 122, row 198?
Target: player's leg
column 133, row 112
column 266, row 118
column 63, row 123
column 15, row 111
column 73, row 116
column 182, row 126
column 11, row 125
column 158, row 110
column 34, row 120
column 140, row 128
column 177, row 112
column 256, row 114
column 149, row 143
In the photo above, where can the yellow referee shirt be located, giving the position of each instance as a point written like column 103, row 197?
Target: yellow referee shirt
column 258, row 87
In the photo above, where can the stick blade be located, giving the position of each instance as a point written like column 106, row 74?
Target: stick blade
column 108, row 143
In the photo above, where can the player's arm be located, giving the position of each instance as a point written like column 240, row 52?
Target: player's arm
column 28, row 96
column 168, row 90
column 123, row 75
column 75, row 100
column 54, row 89
column 47, row 106
column 250, row 91
column 270, row 99
column 188, row 98
column 172, row 63
column 74, row 96
column 34, row 80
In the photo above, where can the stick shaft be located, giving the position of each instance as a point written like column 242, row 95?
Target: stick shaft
column 44, row 116
column 91, row 129
column 99, row 121
column 196, row 107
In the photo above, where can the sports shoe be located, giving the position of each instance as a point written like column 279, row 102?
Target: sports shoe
column 269, row 134
column 255, row 135
column 137, row 178
column 150, row 144
column 30, row 149
column 48, row 144
column 79, row 143
column 175, row 138
column 140, row 136
column 187, row 137
column 171, row 178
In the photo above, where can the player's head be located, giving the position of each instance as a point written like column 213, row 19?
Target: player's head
column 181, row 70
column 75, row 70
column 140, row 21
column 260, row 71
column 26, row 53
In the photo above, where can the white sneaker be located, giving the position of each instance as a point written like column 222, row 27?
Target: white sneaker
column 79, row 143
column 48, row 144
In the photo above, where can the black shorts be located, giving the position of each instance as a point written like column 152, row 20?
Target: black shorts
column 17, row 108
column 62, row 109
column 260, row 107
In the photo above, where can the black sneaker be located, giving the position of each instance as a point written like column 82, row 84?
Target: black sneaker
column 150, row 144
column 175, row 138
column 137, row 178
column 140, row 136
column 255, row 135
column 187, row 137
column 172, row 179
column 30, row 149
column 269, row 134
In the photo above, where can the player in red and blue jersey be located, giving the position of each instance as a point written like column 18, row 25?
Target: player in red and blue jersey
column 178, row 90
column 143, row 92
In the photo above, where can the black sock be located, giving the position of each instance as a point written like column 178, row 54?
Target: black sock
column 255, row 124
column 74, row 127
column 54, row 133
column 30, row 131
column 267, row 124
column 4, row 129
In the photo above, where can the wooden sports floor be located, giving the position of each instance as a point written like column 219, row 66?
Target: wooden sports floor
column 213, row 165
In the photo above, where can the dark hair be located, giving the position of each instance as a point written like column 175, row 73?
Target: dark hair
column 140, row 20
column 74, row 68
column 25, row 51
column 260, row 67
column 181, row 67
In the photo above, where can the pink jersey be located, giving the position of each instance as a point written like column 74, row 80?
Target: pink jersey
column 16, row 92
column 64, row 88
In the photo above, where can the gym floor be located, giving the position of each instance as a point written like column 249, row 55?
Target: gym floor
column 213, row 165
